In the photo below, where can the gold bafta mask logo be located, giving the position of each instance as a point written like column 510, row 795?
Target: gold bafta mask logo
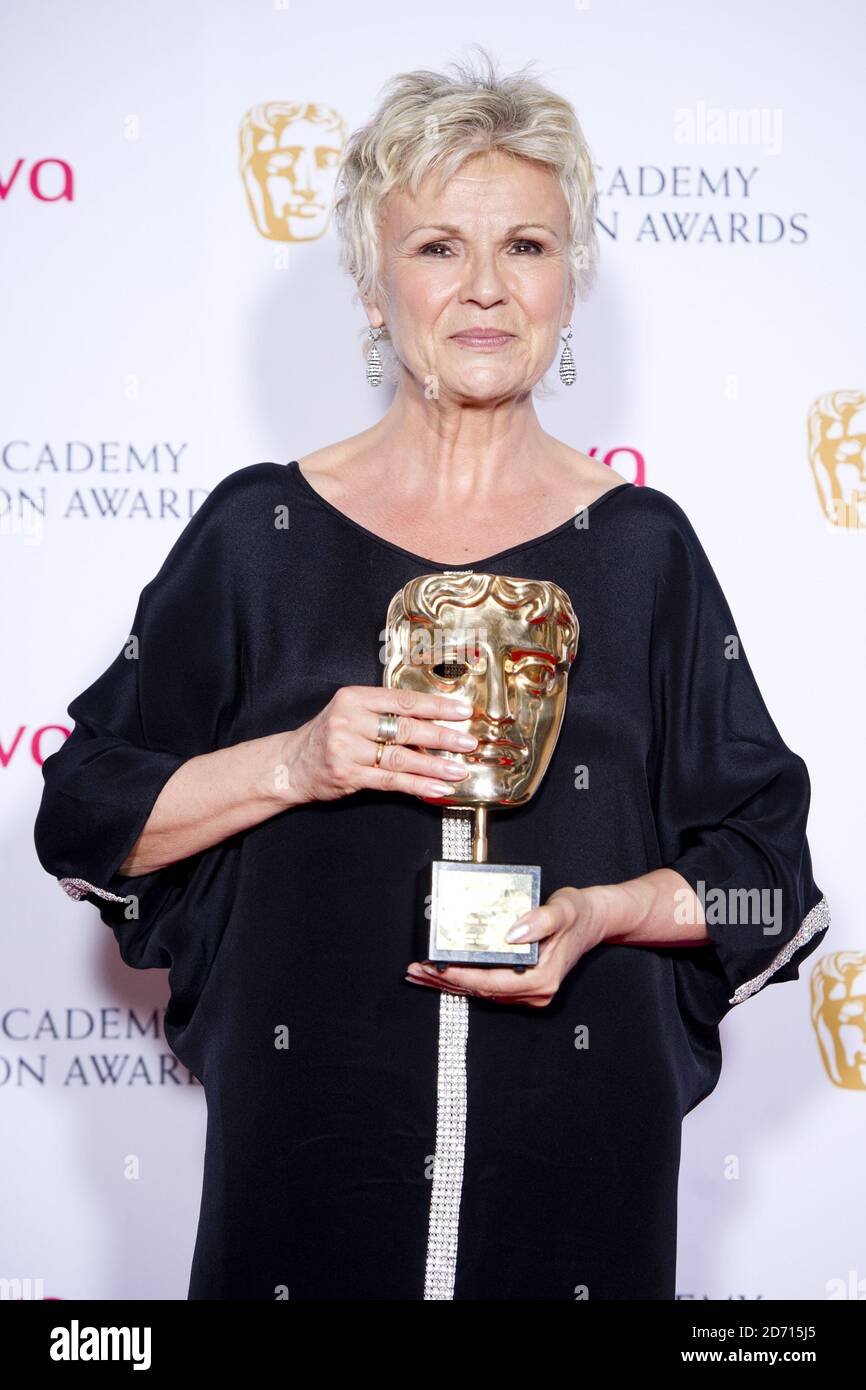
column 839, row 1016
column 504, row 644
column 837, row 456
column 290, row 151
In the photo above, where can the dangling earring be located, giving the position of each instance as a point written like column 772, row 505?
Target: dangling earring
column 374, row 361
column 566, row 362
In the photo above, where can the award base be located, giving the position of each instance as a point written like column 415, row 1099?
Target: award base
column 472, row 906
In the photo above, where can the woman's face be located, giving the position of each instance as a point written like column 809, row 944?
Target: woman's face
column 487, row 252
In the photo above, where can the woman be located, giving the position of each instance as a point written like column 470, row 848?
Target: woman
column 232, row 801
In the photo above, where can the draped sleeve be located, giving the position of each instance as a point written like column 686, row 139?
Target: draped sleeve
column 169, row 694
column 732, row 799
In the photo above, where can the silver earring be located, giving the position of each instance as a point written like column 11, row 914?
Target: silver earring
column 566, row 362
column 374, row 361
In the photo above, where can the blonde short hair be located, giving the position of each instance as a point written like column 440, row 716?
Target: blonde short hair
column 429, row 122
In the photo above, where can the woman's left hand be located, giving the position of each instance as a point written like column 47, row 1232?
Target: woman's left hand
column 568, row 924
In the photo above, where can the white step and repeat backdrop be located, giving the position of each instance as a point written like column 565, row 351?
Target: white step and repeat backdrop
column 170, row 316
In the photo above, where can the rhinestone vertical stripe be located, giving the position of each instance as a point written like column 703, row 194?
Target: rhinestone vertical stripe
column 815, row 920
column 444, row 1220
column 78, row 888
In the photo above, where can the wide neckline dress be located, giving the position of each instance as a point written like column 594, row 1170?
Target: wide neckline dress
column 368, row 1138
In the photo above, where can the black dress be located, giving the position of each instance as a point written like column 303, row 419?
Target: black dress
column 319, row 1157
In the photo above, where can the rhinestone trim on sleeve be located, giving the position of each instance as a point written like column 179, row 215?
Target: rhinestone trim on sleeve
column 79, row 887
column 443, row 1229
column 815, row 920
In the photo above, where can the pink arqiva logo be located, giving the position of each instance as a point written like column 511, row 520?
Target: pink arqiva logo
column 35, row 743
column 637, row 468
column 54, row 185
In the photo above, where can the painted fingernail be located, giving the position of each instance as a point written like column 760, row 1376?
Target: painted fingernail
column 442, row 788
column 517, row 932
column 462, row 707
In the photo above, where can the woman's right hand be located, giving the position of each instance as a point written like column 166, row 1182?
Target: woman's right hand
column 334, row 754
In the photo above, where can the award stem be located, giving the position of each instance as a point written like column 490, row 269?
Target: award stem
column 479, row 837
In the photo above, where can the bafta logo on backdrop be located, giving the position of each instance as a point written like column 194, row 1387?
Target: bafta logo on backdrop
column 837, row 456
column 290, row 151
column 838, row 984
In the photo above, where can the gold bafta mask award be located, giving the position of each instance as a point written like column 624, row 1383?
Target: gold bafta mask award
column 506, row 646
